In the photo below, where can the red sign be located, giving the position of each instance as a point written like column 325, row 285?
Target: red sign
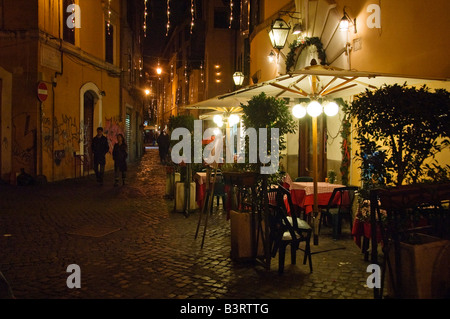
column 42, row 91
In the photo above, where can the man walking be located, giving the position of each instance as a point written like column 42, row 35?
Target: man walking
column 99, row 148
column 163, row 144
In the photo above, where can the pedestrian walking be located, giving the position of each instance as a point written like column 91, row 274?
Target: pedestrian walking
column 100, row 147
column 120, row 155
column 163, row 144
column 152, row 138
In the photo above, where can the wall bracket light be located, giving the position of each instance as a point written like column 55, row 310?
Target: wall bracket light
column 238, row 78
column 278, row 33
column 346, row 21
column 297, row 29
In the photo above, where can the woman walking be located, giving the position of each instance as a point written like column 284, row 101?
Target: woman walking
column 120, row 159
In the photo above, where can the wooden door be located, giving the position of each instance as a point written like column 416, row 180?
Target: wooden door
column 305, row 147
column 89, row 128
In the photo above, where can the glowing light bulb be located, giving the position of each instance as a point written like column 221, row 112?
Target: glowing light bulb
column 233, row 119
column 331, row 109
column 217, row 119
column 299, row 111
column 314, row 109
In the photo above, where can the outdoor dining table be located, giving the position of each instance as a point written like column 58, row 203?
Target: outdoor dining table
column 302, row 194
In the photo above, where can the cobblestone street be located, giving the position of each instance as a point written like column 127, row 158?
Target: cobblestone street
column 150, row 252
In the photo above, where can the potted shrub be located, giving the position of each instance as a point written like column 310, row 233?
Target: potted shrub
column 331, row 175
column 398, row 137
column 261, row 111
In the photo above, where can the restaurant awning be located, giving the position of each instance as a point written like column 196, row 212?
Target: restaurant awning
column 314, row 81
column 218, row 106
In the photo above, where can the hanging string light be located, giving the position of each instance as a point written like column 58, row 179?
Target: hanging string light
column 145, row 18
column 231, row 13
column 201, row 73
column 168, row 17
column 108, row 23
column 73, row 16
column 192, row 15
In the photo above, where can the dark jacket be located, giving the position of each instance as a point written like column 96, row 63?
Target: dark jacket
column 120, row 156
column 100, row 147
column 164, row 142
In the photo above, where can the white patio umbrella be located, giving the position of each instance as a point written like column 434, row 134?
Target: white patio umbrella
column 314, row 82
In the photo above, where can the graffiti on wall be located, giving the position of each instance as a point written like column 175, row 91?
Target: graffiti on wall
column 62, row 134
column 86, row 130
column 111, row 129
column 23, row 146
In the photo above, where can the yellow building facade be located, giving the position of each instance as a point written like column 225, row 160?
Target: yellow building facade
column 75, row 52
column 403, row 38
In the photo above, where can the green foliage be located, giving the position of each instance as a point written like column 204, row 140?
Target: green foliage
column 186, row 121
column 268, row 112
column 331, row 175
column 298, row 46
column 399, row 128
column 345, row 146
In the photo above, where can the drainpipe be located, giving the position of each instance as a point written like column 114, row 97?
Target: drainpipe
column 54, row 83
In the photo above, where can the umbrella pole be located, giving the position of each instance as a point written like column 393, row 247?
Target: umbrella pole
column 316, row 213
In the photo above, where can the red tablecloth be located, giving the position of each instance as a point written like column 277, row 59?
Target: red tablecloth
column 302, row 194
column 363, row 229
column 200, row 191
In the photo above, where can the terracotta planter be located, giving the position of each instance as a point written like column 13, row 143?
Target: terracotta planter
column 241, row 237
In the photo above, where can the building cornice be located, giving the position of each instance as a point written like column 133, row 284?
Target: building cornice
column 78, row 53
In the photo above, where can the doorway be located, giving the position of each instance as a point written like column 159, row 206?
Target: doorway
column 88, row 120
column 305, row 147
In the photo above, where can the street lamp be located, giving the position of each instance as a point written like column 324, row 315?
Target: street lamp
column 278, row 33
column 238, row 78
